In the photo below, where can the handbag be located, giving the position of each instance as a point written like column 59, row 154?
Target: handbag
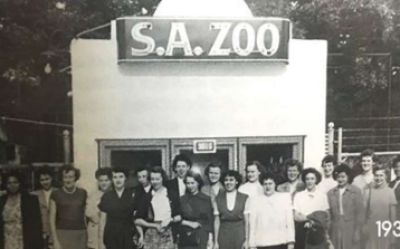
column 189, row 236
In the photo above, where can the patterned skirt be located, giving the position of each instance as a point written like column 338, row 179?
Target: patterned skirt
column 156, row 240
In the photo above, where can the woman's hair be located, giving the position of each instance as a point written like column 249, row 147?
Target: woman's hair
column 17, row 175
column 160, row 170
column 259, row 166
column 235, row 174
column 196, row 177
column 68, row 168
column 368, row 152
column 183, row 158
column 268, row 176
column 45, row 170
column 103, row 172
column 344, row 168
column 328, row 159
column 379, row 168
column 120, row 170
column 312, row 171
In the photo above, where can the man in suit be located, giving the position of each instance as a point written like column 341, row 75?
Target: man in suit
column 43, row 194
column 176, row 187
column 294, row 183
column 213, row 173
column 144, row 187
column 180, row 165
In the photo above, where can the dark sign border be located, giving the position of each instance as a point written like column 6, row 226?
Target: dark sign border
column 122, row 40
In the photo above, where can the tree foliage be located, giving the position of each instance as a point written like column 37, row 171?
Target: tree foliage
column 35, row 36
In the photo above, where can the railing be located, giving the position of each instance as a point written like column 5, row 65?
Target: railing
column 349, row 142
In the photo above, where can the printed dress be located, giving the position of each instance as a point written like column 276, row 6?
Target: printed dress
column 12, row 217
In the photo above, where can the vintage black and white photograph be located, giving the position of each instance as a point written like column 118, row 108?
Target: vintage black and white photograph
column 199, row 124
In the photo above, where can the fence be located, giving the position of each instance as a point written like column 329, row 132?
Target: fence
column 347, row 143
column 30, row 170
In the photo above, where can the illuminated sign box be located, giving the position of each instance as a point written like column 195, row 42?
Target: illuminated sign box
column 204, row 146
column 181, row 39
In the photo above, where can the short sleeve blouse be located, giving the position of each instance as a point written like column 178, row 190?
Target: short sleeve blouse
column 307, row 202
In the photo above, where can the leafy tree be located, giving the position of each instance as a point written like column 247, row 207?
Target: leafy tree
column 35, row 38
column 35, row 59
column 364, row 45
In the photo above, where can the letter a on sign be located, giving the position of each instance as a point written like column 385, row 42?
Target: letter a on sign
column 178, row 29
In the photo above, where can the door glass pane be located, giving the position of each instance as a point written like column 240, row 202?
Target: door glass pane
column 272, row 156
column 201, row 161
column 132, row 160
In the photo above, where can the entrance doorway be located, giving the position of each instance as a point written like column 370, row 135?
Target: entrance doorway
column 232, row 153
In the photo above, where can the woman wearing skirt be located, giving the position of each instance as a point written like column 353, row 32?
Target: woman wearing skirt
column 380, row 207
column 196, row 227
column 157, row 213
column 67, row 212
column 231, row 214
column 118, row 207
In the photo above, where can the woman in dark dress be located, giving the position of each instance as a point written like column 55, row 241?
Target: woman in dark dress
column 20, row 220
column 197, row 216
column 118, row 206
column 231, row 214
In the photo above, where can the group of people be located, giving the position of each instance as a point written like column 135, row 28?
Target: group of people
column 309, row 210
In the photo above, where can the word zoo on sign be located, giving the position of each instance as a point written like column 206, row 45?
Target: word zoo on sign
column 148, row 39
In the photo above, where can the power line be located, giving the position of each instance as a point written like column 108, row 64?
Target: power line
column 29, row 121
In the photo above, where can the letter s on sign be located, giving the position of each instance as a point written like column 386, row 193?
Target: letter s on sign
column 139, row 37
column 275, row 39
